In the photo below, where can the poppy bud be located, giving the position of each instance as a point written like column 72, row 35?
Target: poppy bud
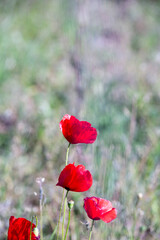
column 70, row 204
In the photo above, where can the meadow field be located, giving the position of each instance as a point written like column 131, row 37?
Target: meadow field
column 99, row 61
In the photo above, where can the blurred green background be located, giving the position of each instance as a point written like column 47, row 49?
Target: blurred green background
column 98, row 60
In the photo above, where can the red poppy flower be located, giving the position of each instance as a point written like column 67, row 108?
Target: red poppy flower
column 99, row 208
column 19, row 229
column 76, row 179
column 76, row 131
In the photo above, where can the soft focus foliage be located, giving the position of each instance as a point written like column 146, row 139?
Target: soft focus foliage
column 100, row 62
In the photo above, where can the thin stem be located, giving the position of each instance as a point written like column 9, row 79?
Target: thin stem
column 41, row 210
column 41, row 201
column 91, row 230
column 36, row 221
column 69, row 218
column 41, row 219
column 54, row 232
column 31, row 229
column 64, row 212
column 60, row 212
column 67, row 154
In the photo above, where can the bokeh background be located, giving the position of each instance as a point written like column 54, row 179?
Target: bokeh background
column 98, row 60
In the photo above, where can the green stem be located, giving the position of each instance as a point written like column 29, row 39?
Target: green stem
column 54, row 232
column 69, row 218
column 64, row 212
column 31, row 229
column 60, row 212
column 67, row 154
column 36, row 221
column 41, row 220
column 91, row 230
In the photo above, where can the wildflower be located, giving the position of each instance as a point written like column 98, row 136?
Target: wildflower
column 19, row 229
column 76, row 179
column 76, row 131
column 99, row 209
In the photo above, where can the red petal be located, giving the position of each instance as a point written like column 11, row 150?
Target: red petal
column 99, row 208
column 66, row 176
column 11, row 220
column 76, row 131
column 19, row 229
column 90, row 208
column 104, row 205
column 109, row 216
column 82, row 180
column 76, row 179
